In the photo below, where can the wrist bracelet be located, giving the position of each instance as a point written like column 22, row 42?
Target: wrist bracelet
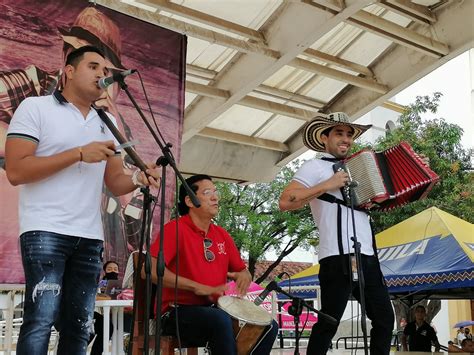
column 80, row 153
column 135, row 180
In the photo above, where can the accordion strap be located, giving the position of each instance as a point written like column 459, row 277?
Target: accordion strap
column 333, row 199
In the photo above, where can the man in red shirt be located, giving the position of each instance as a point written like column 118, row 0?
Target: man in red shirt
column 206, row 257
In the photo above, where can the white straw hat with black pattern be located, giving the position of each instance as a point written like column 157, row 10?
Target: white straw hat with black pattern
column 313, row 129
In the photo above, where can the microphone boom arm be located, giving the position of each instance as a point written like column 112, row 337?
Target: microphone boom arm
column 118, row 136
column 320, row 314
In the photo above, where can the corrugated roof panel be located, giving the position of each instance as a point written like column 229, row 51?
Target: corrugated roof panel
column 280, row 128
column 249, row 13
column 240, row 119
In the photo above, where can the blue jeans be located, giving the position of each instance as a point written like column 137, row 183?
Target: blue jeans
column 199, row 325
column 62, row 274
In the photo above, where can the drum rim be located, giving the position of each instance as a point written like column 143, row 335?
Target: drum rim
column 240, row 318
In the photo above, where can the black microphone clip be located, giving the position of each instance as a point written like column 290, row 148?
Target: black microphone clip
column 103, row 83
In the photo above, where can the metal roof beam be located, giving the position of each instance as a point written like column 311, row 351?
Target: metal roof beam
column 416, row 12
column 243, row 139
column 200, row 72
column 394, row 106
column 251, row 101
column 290, row 96
column 275, row 107
column 387, row 29
column 365, row 83
column 206, row 90
column 207, row 19
column 189, row 29
column 398, row 34
column 335, row 5
column 331, row 59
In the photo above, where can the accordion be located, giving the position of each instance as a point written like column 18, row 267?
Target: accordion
column 387, row 179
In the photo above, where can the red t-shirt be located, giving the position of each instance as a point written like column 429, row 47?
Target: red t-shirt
column 192, row 262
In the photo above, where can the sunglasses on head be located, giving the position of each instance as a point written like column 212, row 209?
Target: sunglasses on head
column 208, row 254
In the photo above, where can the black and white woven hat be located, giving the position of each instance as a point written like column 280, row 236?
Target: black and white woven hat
column 313, row 129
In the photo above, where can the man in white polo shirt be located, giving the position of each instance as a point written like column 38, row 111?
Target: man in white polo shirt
column 61, row 153
column 317, row 184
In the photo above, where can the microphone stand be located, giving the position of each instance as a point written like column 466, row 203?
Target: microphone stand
column 295, row 310
column 300, row 303
column 166, row 159
column 144, row 231
column 358, row 266
column 357, row 276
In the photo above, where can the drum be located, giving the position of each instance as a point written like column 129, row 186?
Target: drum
column 248, row 320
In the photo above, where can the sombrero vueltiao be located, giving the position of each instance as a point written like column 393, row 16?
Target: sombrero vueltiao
column 93, row 27
column 313, row 129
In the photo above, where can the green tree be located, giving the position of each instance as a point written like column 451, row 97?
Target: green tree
column 440, row 141
column 251, row 215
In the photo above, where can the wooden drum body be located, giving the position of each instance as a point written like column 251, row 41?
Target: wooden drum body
column 248, row 320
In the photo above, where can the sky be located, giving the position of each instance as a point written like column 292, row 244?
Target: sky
column 453, row 80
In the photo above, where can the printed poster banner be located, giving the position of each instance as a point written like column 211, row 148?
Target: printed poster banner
column 35, row 38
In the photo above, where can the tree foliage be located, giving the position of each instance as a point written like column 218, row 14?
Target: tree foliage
column 251, row 215
column 440, row 141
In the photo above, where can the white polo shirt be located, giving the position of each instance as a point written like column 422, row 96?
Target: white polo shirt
column 324, row 213
column 68, row 202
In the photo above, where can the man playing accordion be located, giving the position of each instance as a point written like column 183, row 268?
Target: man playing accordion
column 317, row 184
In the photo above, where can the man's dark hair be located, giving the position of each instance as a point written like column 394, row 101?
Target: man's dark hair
column 109, row 262
column 76, row 55
column 326, row 131
column 183, row 209
column 420, row 307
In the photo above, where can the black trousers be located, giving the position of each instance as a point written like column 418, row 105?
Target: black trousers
column 334, row 278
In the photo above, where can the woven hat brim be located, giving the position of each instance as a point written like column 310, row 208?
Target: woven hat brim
column 313, row 129
column 75, row 41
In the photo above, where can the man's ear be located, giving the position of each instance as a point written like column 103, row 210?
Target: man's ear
column 69, row 71
column 188, row 202
column 324, row 139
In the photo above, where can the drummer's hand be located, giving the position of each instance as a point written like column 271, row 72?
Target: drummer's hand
column 204, row 290
column 242, row 280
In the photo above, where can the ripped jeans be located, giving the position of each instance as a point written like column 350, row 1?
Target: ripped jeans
column 61, row 274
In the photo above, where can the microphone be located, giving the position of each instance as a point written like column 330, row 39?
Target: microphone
column 103, row 83
column 270, row 287
column 341, row 166
column 352, row 184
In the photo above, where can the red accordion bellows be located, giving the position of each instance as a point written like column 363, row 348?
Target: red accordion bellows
column 389, row 179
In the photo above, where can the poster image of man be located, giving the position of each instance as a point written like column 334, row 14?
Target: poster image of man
column 35, row 39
